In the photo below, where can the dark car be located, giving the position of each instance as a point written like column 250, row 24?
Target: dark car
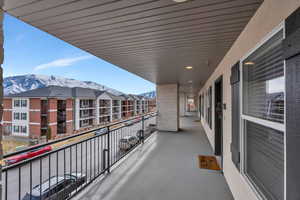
column 150, row 129
column 60, row 187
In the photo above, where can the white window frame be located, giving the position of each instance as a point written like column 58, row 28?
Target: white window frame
column 20, row 100
column 270, row 124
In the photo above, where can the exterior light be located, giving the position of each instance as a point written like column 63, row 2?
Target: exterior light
column 179, row 1
column 249, row 63
column 189, row 67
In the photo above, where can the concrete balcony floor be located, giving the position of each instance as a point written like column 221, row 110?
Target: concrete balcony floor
column 164, row 168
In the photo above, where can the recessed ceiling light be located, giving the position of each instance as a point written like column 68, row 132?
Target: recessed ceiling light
column 188, row 67
column 179, row 1
column 249, row 63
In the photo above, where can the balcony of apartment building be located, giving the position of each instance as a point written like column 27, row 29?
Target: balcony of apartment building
column 235, row 64
column 165, row 167
column 44, row 107
column 61, row 128
column 87, row 113
column 87, row 104
column 104, row 103
column 105, row 115
column 85, row 123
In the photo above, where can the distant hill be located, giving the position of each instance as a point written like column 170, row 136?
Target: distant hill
column 151, row 94
column 17, row 84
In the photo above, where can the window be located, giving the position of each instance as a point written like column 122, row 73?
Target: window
column 209, row 109
column 20, row 129
column 16, row 116
column 263, row 117
column 202, row 105
column 20, row 103
column 23, row 129
column 16, row 129
column 17, row 103
column 263, row 82
column 20, row 116
column 24, row 116
column 23, row 103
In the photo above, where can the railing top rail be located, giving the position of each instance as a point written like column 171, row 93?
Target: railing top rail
column 73, row 136
column 24, row 162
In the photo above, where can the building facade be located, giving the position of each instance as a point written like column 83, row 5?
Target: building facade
column 59, row 111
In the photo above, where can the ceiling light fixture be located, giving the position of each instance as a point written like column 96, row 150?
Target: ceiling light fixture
column 249, row 63
column 190, row 81
column 179, row 1
column 188, row 67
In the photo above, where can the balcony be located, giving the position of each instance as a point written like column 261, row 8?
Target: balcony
column 165, row 167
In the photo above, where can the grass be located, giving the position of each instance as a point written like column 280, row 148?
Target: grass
column 9, row 146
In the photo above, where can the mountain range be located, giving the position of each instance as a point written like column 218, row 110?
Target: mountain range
column 22, row 83
column 151, row 94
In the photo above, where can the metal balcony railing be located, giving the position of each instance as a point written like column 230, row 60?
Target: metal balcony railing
column 72, row 167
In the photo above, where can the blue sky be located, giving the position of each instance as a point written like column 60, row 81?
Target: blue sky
column 31, row 51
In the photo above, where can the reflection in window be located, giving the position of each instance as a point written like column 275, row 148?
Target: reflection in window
column 263, row 81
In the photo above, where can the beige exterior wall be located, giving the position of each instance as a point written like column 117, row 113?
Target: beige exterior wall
column 168, row 107
column 269, row 16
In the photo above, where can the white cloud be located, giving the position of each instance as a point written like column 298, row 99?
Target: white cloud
column 64, row 62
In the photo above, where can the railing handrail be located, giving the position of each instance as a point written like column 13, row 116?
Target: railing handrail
column 70, row 137
column 88, row 158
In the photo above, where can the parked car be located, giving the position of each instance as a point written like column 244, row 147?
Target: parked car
column 129, row 123
column 101, row 131
column 29, row 154
column 127, row 142
column 60, row 187
column 152, row 128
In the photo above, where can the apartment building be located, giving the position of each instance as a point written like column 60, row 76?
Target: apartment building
column 36, row 112
column 127, row 106
column 61, row 111
column 116, row 107
column 85, row 104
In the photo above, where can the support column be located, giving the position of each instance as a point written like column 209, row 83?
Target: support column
column 168, row 107
column 182, row 104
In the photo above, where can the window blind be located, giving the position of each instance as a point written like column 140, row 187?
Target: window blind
column 263, row 81
column 265, row 159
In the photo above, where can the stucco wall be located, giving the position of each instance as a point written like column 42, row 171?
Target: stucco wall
column 168, row 107
column 269, row 16
column 182, row 106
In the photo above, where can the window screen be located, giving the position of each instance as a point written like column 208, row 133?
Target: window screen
column 265, row 159
column 263, row 81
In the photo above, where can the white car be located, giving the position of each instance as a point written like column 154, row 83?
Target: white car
column 127, row 142
column 101, row 131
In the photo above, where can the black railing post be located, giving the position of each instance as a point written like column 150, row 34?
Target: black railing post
column 143, row 129
column 108, row 149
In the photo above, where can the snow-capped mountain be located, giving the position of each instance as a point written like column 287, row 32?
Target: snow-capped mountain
column 17, row 84
column 151, row 94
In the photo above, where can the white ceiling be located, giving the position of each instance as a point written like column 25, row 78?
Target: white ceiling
column 154, row 39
